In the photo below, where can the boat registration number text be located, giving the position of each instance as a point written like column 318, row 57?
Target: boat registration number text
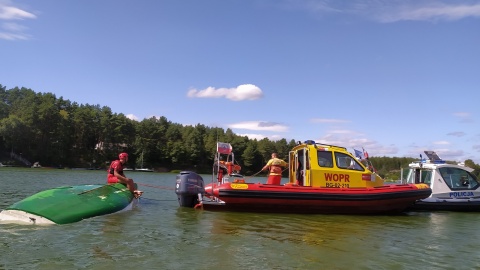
column 337, row 185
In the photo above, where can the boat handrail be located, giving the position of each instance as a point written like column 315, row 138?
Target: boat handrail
column 312, row 142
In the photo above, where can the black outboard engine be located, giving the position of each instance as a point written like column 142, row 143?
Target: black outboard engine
column 189, row 185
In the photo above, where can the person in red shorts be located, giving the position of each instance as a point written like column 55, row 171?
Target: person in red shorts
column 274, row 165
column 116, row 175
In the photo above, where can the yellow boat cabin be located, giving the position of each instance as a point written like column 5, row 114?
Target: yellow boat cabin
column 320, row 165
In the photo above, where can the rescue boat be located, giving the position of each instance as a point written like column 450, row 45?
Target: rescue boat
column 70, row 204
column 322, row 179
column 454, row 186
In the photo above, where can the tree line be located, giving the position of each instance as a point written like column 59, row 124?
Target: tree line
column 39, row 127
column 56, row 132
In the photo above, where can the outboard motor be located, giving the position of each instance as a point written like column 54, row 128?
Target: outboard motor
column 189, row 185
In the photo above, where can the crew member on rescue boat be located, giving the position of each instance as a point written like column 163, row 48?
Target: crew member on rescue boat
column 116, row 175
column 275, row 165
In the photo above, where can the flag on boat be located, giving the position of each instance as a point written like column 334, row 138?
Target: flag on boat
column 358, row 153
column 224, row 148
column 365, row 153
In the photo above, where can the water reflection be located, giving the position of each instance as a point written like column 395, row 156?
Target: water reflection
column 309, row 229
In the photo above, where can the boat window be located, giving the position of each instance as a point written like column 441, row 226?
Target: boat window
column 345, row 161
column 325, row 159
column 300, row 156
column 410, row 177
column 426, row 177
column 417, row 176
column 458, row 179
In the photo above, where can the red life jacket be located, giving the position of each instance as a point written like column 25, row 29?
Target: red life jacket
column 276, row 166
column 115, row 165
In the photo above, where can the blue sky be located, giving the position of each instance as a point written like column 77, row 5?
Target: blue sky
column 393, row 77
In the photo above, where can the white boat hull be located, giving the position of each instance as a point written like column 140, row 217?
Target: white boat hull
column 17, row 216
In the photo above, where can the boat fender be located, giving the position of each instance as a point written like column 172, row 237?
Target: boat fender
column 421, row 186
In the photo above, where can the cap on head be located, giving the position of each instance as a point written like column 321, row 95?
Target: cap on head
column 123, row 155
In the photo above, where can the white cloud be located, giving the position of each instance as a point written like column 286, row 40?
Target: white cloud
column 388, row 11
column 260, row 125
column 241, row 92
column 253, row 136
column 12, row 13
column 9, row 30
column 13, row 36
column 355, row 140
column 443, row 153
column 441, row 143
column 447, row 154
column 132, row 117
column 435, row 12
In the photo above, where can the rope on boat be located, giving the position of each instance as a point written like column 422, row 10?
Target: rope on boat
column 157, row 200
column 160, row 187
column 261, row 171
column 253, row 175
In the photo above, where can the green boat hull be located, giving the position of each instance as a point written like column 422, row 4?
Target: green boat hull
column 70, row 204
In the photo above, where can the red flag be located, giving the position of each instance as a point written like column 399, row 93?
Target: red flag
column 365, row 153
column 224, row 148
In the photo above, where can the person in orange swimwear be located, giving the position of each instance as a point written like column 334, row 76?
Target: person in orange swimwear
column 275, row 165
column 116, row 175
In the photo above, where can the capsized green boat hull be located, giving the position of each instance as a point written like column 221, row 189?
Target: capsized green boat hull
column 69, row 204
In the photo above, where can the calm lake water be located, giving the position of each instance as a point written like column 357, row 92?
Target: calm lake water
column 158, row 234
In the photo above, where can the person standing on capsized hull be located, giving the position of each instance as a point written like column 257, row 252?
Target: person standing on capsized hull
column 116, row 175
column 275, row 165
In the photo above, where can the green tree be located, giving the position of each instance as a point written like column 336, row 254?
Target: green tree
column 251, row 159
column 14, row 132
column 475, row 167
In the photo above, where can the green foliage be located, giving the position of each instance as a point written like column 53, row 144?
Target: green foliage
column 475, row 167
column 390, row 167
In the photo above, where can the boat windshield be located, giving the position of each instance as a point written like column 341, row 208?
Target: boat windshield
column 417, row 176
column 342, row 160
column 457, row 178
column 345, row 161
